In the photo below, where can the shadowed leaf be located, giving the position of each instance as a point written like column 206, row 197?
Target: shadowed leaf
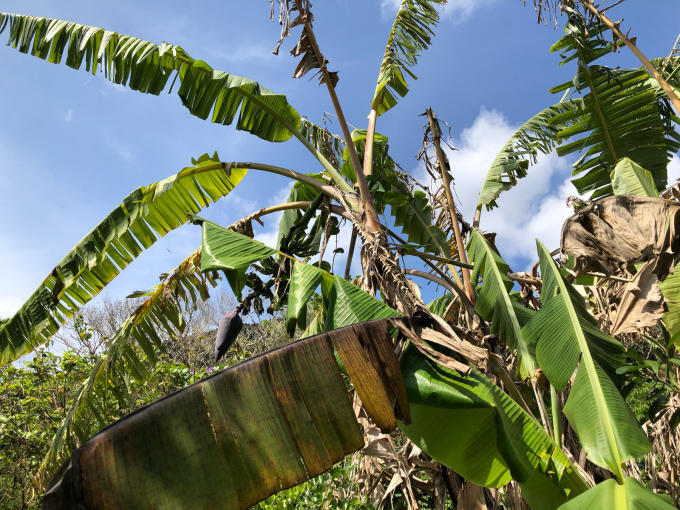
column 238, row 436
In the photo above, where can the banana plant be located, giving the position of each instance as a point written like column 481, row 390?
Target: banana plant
column 439, row 373
column 605, row 115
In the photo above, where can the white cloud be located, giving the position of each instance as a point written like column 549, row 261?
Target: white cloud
column 456, row 10
column 69, row 115
column 9, row 305
column 673, row 170
column 535, row 208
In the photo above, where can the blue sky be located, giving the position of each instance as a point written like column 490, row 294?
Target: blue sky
column 73, row 145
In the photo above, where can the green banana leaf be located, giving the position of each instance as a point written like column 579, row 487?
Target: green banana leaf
column 147, row 67
column 226, row 249
column 627, row 496
column 414, row 216
column 495, row 304
column 298, row 193
column 238, row 436
column 439, row 305
column 617, row 113
column 468, row 424
column 538, row 134
column 629, row 178
column 670, row 288
column 567, row 339
column 411, row 33
column 304, row 280
column 146, row 214
column 222, row 248
column 623, row 115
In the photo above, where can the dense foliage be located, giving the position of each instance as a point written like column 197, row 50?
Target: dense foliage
column 512, row 389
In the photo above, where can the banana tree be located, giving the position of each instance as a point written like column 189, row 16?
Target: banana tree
column 463, row 378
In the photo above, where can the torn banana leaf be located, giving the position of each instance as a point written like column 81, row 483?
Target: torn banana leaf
column 614, row 232
column 242, row 434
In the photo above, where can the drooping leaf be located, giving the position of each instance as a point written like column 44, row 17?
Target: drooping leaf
column 415, row 220
column 617, row 231
column 131, row 350
column 299, row 192
column 494, row 303
column 238, row 436
column 147, row 67
column 629, row 178
column 144, row 215
column 538, row 134
column 567, row 339
column 349, row 304
column 627, row 496
column 222, row 248
column 411, row 33
column 304, row 280
column 383, row 169
column 468, row 424
column 328, row 144
column 641, row 304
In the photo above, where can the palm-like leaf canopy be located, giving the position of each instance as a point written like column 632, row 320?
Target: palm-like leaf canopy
column 148, row 67
column 613, row 114
column 623, row 115
column 538, row 134
column 411, row 33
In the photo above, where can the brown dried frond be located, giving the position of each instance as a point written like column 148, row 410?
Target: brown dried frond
column 311, row 56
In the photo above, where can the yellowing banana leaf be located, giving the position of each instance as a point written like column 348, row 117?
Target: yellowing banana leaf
column 240, row 435
column 629, row 178
column 143, row 216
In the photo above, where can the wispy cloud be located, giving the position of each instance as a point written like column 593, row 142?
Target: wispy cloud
column 69, row 115
column 123, row 151
column 246, row 53
column 456, row 10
